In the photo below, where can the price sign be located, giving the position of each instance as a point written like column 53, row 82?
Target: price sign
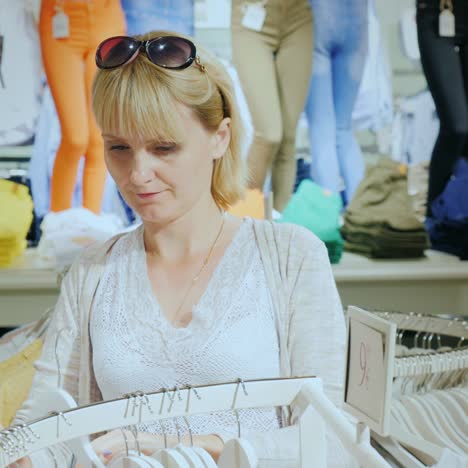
column 369, row 376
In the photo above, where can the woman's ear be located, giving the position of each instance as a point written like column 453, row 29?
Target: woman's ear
column 222, row 138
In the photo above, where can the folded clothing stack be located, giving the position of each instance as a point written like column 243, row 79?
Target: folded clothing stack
column 380, row 221
column 448, row 226
column 319, row 211
column 16, row 208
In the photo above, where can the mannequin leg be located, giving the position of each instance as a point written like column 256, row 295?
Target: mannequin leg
column 444, row 73
column 63, row 65
column 294, row 68
column 347, row 70
column 95, row 172
column 252, row 54
column 320, row 111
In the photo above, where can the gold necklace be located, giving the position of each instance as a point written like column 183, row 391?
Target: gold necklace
column 197, row 276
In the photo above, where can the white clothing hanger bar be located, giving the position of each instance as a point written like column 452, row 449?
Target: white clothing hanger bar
column 103, row 416
column 427, row 323
column 447, row 361
column 307, row 393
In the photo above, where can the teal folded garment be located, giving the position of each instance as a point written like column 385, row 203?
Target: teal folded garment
column 316, row 209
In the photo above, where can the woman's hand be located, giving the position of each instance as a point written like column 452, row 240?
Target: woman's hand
column 113, row 444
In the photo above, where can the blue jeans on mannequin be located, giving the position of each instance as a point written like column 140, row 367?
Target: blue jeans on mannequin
column 340, row 50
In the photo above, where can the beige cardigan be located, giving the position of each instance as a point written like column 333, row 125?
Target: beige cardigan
column 309, row 320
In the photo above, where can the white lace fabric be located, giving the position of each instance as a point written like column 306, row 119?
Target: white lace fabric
column 232, row 334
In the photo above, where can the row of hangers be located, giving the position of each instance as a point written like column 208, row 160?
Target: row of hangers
column 429, row 393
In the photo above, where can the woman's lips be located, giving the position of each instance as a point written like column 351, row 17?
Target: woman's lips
column 146, row 196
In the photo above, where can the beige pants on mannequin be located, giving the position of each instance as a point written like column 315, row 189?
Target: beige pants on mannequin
column 274, row 67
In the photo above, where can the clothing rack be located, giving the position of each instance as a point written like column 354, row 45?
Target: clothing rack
column 306, row 394
column 438, row 368
column 454, row 326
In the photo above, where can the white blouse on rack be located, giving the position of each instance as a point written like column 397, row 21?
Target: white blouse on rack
column 232, row 334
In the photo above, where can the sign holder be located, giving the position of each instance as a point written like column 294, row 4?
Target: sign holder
column 369, row 372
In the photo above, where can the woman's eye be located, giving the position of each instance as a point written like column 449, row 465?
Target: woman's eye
column 165, row 148
column 118, row 148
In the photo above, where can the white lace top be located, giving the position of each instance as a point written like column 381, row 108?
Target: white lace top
column 232, row 333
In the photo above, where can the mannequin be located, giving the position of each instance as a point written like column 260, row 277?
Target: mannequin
column 445, row 64
column 272, row 51
column 68, row 51
column 161, row 15
column 340, row 51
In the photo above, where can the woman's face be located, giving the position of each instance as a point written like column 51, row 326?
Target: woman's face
column 163, row 180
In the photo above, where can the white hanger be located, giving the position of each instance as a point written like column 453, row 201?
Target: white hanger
column 170, row 458
column 190, row 456
column 205, row 457
column 132, row 458
column 238, row 453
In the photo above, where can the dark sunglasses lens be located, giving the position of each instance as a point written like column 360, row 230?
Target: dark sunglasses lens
column 115, row 51
column 170, row 52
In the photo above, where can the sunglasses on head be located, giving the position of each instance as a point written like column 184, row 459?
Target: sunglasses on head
column 172, row 52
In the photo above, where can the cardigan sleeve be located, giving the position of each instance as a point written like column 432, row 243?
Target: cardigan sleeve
column 316, row 346
column 65, row 331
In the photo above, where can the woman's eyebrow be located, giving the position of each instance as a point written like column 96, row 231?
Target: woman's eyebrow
column 116, row 137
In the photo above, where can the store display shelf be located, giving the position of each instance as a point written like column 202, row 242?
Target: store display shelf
column 436, row 284
column 435, row 265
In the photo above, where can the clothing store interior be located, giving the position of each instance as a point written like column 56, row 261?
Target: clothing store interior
column 188, row 184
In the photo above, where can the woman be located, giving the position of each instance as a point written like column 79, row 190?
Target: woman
column 191, row 295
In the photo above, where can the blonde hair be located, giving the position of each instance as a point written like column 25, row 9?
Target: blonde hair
column 138, row 99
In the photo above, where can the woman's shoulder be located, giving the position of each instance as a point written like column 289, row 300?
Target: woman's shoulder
column 287, row 236
column 96, row 254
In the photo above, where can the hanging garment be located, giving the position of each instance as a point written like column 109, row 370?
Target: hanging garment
column 373, row 108
column 274, row 66
column 340, row 51
column 20, row 72
column 445, row 64
column 46, row 143
column 415, row 128
column 159, row 15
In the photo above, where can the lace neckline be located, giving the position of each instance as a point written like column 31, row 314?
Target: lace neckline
column 198, row 308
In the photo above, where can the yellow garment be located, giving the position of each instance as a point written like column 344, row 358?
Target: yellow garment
column 253, row 205
column 16, row 375
column 16, row 207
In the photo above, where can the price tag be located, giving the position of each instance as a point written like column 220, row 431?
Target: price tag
column 447, row 23
column 254, row 16
column 60, row 26
column 369, row 376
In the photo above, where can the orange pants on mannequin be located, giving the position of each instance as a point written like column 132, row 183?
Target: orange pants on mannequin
column 70, row 68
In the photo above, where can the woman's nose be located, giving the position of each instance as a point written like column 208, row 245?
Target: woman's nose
column 141, row 172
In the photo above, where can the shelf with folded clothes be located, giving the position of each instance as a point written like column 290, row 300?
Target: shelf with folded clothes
column 15, row 153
